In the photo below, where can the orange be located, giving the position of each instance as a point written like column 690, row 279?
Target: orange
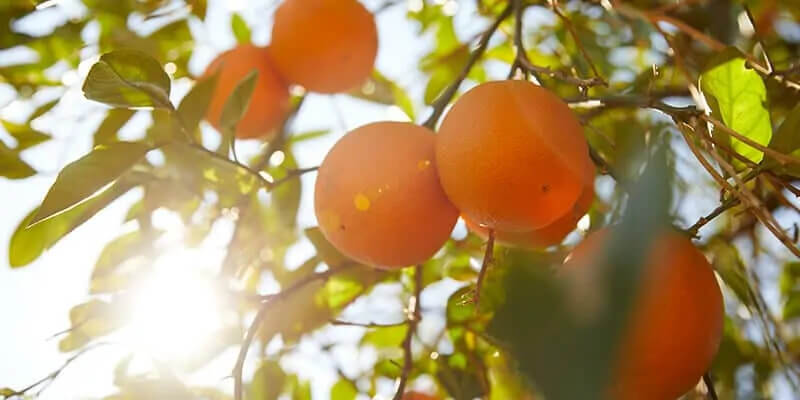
column 418, row 396
column 269, row 103
column 676, row 322
column 327, row 46
column 378, row 199
column 512, row 156
column 550, row 235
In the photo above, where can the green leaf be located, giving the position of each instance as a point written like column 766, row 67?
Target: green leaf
column 106, row 276
column 198, row 166
column 240, row 29
column 340, row 291
column 787, row 139
column 329, row 254
column 81, row 179
column 267, row 382
column 386, row 336
column 731, row 269
column 738, row 95
column 309, row 135
column 236, row 105
column 11, row 166
column 7, row 392
column 791, row 309
column 344, row 390
column 115, row 119
column 301, row 390
column 381, row 89
column 194, row 106
column 25, row 135
column 556, row 342
column 437, row 84
column 128, row 78
column 28, row 242
column 286, row 196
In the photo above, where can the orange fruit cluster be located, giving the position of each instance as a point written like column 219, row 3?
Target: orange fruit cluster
column 338, row 60
column 675, row 326
column 510, row 156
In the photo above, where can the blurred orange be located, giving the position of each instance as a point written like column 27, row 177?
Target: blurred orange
column 676, row 322
column 327, row 46
column 269, row 103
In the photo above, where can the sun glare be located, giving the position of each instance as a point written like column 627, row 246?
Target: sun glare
column 176, row 311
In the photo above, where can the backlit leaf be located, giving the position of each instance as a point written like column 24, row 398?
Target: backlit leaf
column 128, row 78
column 738, row 95
column 81, row 179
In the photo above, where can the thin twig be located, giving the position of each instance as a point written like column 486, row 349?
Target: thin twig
column 53, row 375
column 712, row 392
column 414, row 316
column 338, row 322
column 292, row 174
column 778, row 156
column 444, row 99
column 571, row 29
column 488, row 260
column 262, row 313
column 654, row 18
column 703, row 221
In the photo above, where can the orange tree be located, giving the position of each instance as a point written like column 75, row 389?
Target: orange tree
column 648, row 115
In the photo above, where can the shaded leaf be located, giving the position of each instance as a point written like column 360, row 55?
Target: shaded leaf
column 128, row 78
column 115, row 119
column 239, row 100
column 286, row 196
column 199, row 8
column 81, row 179
column 194, row 106
column 329, row 254
column 25, row 135
column 267, row 382
column 13, row 167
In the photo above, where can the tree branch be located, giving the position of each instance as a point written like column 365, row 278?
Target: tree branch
column 262, row 313
column 488, row 260
column 444, row 99
column 414, row 316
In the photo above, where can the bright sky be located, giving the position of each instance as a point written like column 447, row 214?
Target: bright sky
column 35, row 301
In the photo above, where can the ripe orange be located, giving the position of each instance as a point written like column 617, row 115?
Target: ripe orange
column 327, row 46
column 269, row 103
column 676, row 323
column 418, row 396
column 550, row 235
column 378, row 198
column 512, row 156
